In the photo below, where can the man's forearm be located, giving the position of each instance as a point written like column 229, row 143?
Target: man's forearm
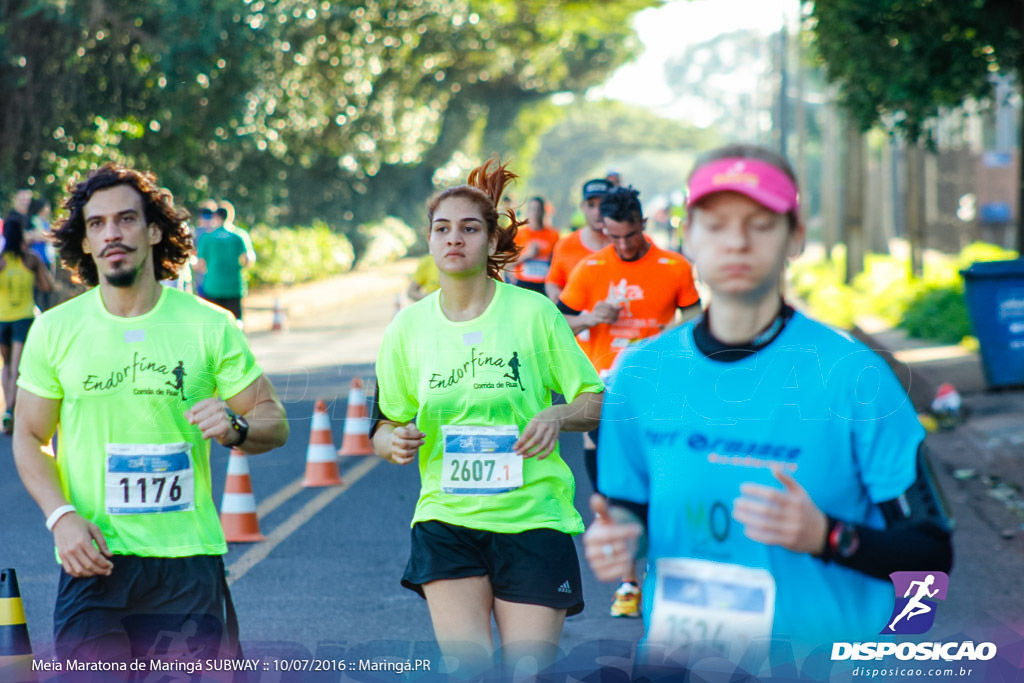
column 268, row 427
column 38, row 472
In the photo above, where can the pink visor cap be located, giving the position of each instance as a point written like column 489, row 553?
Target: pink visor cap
column 764, row 183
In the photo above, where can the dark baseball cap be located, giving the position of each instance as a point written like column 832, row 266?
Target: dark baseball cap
column 595, row 188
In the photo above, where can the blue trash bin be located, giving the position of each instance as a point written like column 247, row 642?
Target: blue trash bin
column 994, row 291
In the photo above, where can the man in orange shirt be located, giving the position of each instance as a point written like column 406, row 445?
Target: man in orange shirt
column 538, row 242
column 628, row 290
column 573, row 248
column 624, row 292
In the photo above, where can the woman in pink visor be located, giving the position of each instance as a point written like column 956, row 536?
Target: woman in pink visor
column 769, row 467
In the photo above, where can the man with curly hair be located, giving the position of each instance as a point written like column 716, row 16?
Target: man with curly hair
column 139, row 379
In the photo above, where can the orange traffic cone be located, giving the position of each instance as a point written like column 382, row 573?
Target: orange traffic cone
column 321, row 462
column 356, row 438
column 238, row 507
column 15, row 648
column 280, row 319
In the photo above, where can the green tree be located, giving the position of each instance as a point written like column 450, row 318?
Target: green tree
column 294, row 110
column 899, row 62
column 84, row 82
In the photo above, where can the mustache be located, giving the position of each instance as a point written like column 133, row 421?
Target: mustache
column 117, row 245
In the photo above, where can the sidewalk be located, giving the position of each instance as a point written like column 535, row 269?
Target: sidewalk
column 984, row 454
column 312, row 298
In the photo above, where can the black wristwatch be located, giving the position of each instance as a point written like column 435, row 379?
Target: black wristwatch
column 241, row 427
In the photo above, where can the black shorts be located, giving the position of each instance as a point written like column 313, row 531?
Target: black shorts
column 14, row 331
column 148, row 607
column 233, row 304
column 536, row 567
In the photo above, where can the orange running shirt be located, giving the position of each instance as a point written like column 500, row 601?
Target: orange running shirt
column 536, row 268
column 648, row 292
column 569, row 251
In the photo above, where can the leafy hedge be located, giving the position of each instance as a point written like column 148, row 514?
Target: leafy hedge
column 288, row 256
column 930, row 307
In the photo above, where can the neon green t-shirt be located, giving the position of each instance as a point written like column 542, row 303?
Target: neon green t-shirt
column 496, row 370
column 127, row 458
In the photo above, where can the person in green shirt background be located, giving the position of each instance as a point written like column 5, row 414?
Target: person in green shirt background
column 224, row 253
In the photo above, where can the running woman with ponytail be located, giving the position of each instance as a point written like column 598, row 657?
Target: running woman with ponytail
column 464, row 379
column 773, row 466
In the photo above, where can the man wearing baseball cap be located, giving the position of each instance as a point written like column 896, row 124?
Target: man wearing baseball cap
column 572, row 249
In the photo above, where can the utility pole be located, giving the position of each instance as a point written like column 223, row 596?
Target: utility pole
column 831, row 196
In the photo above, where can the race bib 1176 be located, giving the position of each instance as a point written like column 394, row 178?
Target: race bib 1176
column 149, row 478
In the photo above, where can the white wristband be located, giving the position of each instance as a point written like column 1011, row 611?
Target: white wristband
column 57, row 514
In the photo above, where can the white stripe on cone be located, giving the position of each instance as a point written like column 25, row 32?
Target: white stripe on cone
column 321, row 421
column 320, row 453
column 237, row 465
column 238, row 503
column 357, row 425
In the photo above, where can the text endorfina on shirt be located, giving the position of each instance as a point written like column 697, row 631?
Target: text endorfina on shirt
column 127, row 458
column 498, row 369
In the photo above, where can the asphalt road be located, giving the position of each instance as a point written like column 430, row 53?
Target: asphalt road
column 325, row 583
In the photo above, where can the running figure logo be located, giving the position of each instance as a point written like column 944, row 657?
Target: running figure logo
column 179, row 379
column 513, row 364
column 914, row 613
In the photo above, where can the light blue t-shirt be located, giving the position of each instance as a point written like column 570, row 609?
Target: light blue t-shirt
column 681, row 431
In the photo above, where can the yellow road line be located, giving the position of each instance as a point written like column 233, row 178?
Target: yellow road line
column 259, row 552
column 275, row 501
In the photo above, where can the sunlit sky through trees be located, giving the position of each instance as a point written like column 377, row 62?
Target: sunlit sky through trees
column 667, row 31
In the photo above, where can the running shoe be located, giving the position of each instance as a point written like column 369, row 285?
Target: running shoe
column 8, row 422
column 627, row 601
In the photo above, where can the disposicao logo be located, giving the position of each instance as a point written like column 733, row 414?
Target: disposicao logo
column 914, row 613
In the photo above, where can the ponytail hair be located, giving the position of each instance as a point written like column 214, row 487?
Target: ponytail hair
column 485, row 187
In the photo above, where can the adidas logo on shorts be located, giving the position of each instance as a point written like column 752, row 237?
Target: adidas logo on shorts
column 564, row 588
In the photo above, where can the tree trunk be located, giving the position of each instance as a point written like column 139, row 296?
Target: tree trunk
column 915, row 207
column 874, row 226
column 853, row 206
column 830, row 184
